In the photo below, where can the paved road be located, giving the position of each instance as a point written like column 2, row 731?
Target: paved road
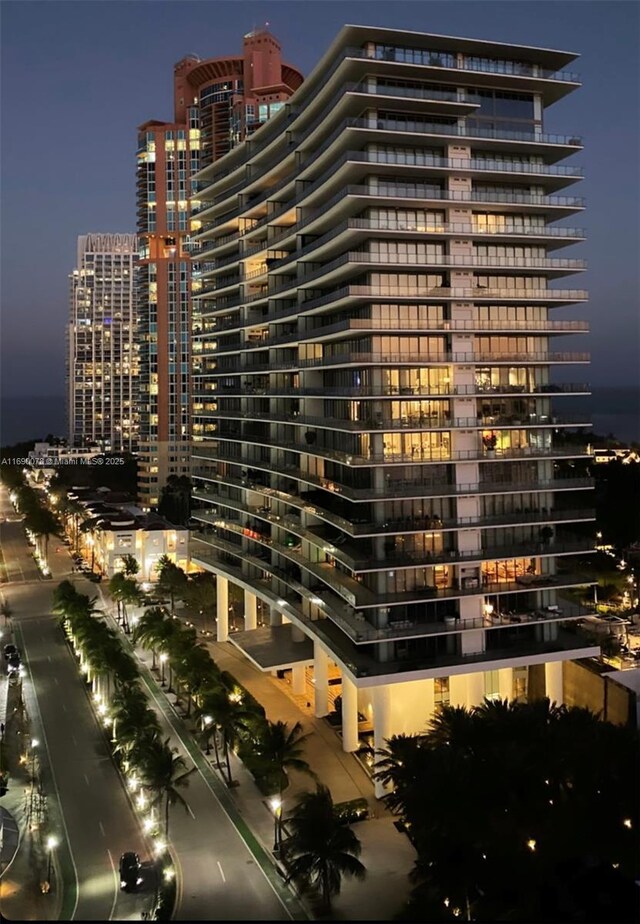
column 98, row 819
column 221, row 878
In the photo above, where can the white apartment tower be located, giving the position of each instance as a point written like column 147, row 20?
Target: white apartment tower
column 102, row 355
column 382, row 455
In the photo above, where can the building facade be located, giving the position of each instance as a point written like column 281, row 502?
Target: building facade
column 217, row 103
column 379, row 448
column 102, row 354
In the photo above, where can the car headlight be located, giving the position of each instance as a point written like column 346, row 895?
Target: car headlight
column 139, row 880
column 122, row 883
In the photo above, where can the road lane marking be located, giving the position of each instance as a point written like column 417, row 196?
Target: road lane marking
column 224, row 878
column 168, row 717
column 163, row 707
column 56, row 681
column 86, row 779
column 49, row 658
column 101, row 826
column 190, row 812
column 63, row 706
column 74, row 739
column 115, row 897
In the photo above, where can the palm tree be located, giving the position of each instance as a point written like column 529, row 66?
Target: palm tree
column 130, row 566
column 281, row 746
column 399, row 768
column 131, row 594
column 43, row 524
column 90, row 526
column 150, row 631
column 197, row 671
column 171, row 580
column 124, row 590
column 321, row 850
column 200, row 595
column 179, row 644
column 163, row 771
column 231, row 719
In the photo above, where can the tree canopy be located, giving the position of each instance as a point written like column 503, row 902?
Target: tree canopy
column 519, row 812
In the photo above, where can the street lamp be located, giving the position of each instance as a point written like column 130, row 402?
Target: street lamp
column 276, row 805
column 163, row 661
column 207, row 721
column 52, row 843
column 34, row 745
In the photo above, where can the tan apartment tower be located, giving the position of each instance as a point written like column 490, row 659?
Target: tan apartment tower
column 218, row 103
column 102, row 354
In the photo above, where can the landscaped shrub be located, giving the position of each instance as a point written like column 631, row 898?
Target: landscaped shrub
column 352, row 811
column 248, row 701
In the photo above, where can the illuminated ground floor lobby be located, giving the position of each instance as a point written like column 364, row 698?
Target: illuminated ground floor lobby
column 366, row 710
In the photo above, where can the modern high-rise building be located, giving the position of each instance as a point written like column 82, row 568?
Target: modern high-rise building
column 102, row 354
column 382, row 456
column 217, row 103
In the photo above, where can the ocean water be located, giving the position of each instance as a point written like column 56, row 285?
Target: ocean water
column 613, row 410
column 31, row 418
column 616, row 411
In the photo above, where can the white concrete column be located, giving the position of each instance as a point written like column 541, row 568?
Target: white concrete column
column 458, row 690
column 505, row 683
column 349, row 714
column 381, row 726
column 321, row 675
column 275, row 618
column 222, row 608
column 297, row 635
column 250, row 610
column 553, row 681
column 475, row 689
column 298, row 679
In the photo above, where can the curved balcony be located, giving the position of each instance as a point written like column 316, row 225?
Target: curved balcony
column 390, row 527
column 392, row 391
column 479, row 293
column 494, row 167
column 512, row 75
column 418, row 455
column 355, row 595
column 416, row 488
column 424, row 359
column 350, row 555
column 409, row 422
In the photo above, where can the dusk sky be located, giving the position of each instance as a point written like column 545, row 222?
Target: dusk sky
column 78, row 77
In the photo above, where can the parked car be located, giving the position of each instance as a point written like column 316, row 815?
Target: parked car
column 10, row 651
column 129, row 871
column 14, row 664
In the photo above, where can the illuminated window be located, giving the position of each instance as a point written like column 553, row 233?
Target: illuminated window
column 441, row 691
column 491, row 685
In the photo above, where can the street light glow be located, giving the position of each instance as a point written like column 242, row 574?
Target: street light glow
column 34, row 742
column 52, row 843
column 531, row 844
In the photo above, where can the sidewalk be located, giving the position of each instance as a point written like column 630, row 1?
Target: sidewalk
column 23, row 864
column 387, row 854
